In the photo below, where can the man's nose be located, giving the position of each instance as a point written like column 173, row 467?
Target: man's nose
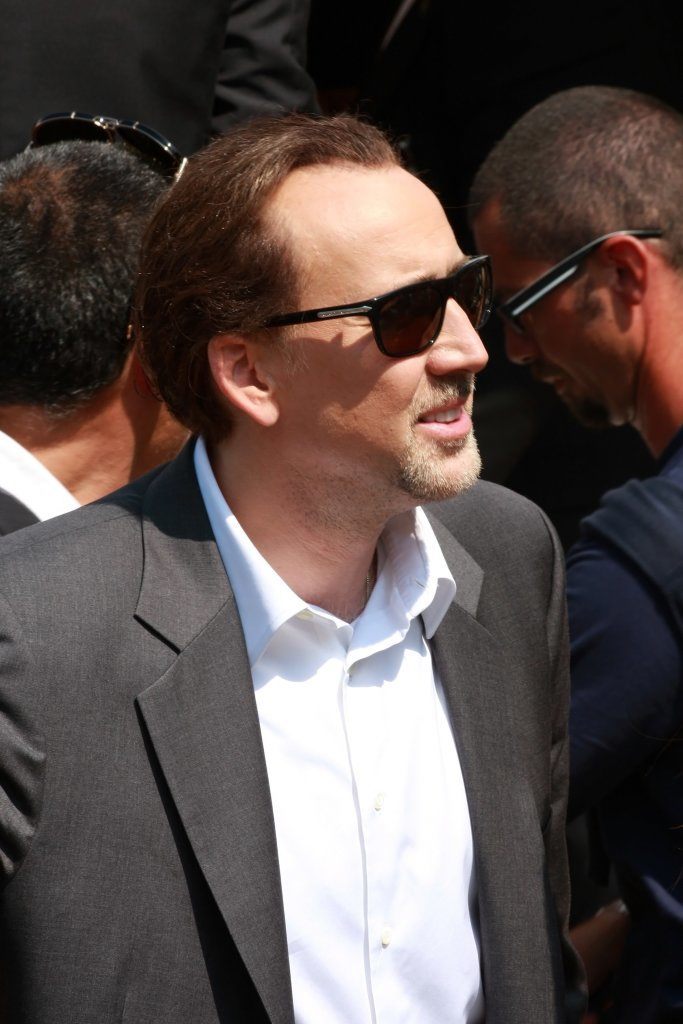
column 458, row 346
column 519, row 347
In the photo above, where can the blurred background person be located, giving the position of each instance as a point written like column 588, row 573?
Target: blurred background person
column 76, row 417
column 189, row 69
column 579, row 206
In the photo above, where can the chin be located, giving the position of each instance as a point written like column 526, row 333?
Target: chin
column 429, row 475
column 590, row 413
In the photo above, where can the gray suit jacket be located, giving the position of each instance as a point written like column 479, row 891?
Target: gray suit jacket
column 137, row 844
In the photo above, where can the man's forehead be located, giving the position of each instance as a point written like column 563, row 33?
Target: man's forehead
column 512, row 270
column 492, row 235
column 347, row 213
column 348, row 199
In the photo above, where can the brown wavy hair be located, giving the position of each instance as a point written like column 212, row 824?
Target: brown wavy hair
column 213, row 263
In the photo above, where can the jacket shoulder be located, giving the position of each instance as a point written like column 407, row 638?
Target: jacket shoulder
column 73, row 546
column 489, row 518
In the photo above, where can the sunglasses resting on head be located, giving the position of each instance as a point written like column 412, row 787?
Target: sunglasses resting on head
column 146, row 143
column 408, row 320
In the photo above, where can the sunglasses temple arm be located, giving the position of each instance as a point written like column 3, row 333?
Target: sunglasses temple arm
column 517, row 310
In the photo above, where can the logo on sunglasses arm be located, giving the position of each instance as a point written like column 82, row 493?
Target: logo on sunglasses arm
column 329, row 314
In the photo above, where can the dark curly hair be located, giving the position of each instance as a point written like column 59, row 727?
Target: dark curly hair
column 72, row 215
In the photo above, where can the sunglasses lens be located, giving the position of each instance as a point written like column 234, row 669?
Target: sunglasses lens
column 151, row 147
column 410, row 321
column 66, row 129
column 472, row 292
column 146, row 143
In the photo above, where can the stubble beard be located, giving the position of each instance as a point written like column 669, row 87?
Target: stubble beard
column 437, row 470
column 426, row 476
column 588, row 412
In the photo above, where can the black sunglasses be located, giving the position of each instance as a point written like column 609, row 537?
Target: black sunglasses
column 145, row 142
column 408, row 320
column 511, row 311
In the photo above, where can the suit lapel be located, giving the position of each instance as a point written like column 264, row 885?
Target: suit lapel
column 479, row 684
column 202, row 719
column 473, row 675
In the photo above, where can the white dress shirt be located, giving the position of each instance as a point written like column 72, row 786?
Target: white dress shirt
column 24, row 477
column 371, row 817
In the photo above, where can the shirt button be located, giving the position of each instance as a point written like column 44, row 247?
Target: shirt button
column 305, row 614
column 386, row 936
column 379, row 801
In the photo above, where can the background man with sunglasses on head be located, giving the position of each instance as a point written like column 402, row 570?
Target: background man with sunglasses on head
column 317, row 770
column 75, row 422
column 579, row 206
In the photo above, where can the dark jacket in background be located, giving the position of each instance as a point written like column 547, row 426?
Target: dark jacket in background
column 184, row 67
column 625, row 594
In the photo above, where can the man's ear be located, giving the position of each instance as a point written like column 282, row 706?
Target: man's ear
column 627, row 260
column 239, row 372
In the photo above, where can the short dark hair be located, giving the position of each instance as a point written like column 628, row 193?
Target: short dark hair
column 212, row 263
column 72, row 216
column 581, row 163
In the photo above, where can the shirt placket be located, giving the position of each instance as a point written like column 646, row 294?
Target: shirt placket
column 365, row 715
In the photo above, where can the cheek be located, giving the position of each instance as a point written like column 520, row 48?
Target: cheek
column 557, row 341
column 341, row 391
column 379, row 420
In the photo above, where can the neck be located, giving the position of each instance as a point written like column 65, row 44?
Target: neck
column 100, row 446
column 659, row 395
column 322, row 547
column 659, row 404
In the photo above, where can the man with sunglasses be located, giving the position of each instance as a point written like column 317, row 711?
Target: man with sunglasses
column 302, row 756
column 579, row 206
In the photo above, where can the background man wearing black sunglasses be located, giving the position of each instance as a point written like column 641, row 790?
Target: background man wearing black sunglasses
column 327, row 784
column 580, row 207
column 75, row 418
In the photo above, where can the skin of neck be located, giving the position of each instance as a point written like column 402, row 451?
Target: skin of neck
column 319, row 538
column 659, row 391
column 113, row 438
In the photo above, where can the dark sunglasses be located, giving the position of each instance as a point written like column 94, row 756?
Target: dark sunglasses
column 511, row 311
column 145, row 142
column 408, row 320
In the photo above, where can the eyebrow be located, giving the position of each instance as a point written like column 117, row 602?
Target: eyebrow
column 422, row 277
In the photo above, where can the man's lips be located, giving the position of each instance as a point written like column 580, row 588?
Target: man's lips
column 547, row 374
column 557, row 383
column 447, row 421
column 444, row 414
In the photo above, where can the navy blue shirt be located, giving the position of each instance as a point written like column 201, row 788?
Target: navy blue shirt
column 626, row 733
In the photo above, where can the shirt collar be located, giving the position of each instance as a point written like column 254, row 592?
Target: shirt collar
column 264, row 600
column 417, row 556
column 30, row 482
column 414, row 577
